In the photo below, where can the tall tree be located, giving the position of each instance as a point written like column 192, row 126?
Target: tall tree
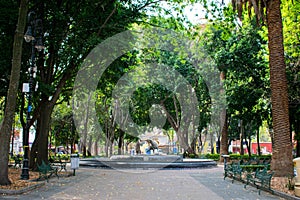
column 247, row 85
column 269, row 12
column 222, row 26
column 156, row 89
column 73, row 29
column 216, row 47
column 291, row 28
column 6, row 125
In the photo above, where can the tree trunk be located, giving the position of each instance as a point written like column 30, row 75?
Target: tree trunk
column 181, row 127
column 258, row 145
column 183, row 140
column 298, row 148
column 6, row 125
column 74, row 139
column 242, row 138
column 218, row 145
column 249, row 145
column 224, row 139
column 212, row 149
column 193, row 144
column 99, row 137
column 202, row 142
column 111, row 150
column 34, row 149
column 96, row 148
column 44, row 127
column 97, row 144
column 223, row 124
column 282, row 158
column 90, row 142
column 85, row 129
column 120, row 143
column 106, row 141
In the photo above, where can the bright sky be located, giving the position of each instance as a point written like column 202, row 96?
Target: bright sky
column 196, row 12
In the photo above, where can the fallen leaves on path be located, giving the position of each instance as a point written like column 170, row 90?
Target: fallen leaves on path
column 14, row 175
column 16, row 182
column 281, row 184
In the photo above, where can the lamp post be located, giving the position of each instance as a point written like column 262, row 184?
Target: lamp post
column 33, row 35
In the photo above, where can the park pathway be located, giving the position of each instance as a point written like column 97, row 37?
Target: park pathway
column 138, row 184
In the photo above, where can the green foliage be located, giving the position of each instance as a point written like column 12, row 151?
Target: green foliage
column 1, row 111
column 291, row 183
column 63, row 130
column 144, row 97
column 8, row 20
column 240, row 52
column 57, row 158
column 73, row 29
column 241, row 157
column 191, row 155
column 215, row 157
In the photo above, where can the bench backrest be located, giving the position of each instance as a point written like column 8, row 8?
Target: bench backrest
column 44, row 167
column 263, row 174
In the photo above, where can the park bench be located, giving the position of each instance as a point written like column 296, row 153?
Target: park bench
column 256, row 170
column 46, row 171
column 261, row 179
column 233, row 170
column 254, row 164
column 251, row 164
column 60, row 163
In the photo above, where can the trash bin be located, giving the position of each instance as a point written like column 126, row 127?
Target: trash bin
column 74, row 162
column 297, row 174
column 296, row 166
column 225, row 160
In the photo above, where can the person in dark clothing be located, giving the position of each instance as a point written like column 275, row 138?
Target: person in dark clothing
column 138, row 147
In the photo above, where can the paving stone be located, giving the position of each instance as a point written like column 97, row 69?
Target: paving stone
column 137, row 184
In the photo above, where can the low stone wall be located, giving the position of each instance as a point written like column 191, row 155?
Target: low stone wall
column 147, row 158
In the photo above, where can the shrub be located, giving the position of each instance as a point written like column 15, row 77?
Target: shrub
column 215, row 156
column 246, row 156
column 191, row 155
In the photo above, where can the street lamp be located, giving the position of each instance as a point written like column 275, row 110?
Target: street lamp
column 33, row 35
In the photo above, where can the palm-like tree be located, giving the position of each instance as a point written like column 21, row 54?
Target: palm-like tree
column 269, row 12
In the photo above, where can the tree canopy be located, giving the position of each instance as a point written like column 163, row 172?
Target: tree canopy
column 172, row 74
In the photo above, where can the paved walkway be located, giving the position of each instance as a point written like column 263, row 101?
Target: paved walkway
column 106, row 184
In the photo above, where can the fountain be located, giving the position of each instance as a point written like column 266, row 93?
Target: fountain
column 152, row 160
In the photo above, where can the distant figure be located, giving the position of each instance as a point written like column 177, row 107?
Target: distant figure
column 152, row 145
column 138, row 147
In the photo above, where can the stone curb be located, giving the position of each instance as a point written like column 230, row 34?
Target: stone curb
column 285, row 196
column 157, row 164
column 278, row 193
column 274, row 192
column 21, row 191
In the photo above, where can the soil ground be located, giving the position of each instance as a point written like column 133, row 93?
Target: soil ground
column 14, row 175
